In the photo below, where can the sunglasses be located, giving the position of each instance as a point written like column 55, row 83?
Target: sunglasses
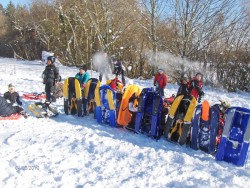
column 11, row 88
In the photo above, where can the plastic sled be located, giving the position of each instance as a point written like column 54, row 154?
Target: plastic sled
column 204, row 128
column 179, row 119
column 148, row 117
column 89, row 95
column 234, row 144
column 72, row 96
column 105, row 110
column 124, row 116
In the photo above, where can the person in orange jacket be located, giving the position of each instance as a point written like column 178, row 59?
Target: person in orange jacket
column 160, row 81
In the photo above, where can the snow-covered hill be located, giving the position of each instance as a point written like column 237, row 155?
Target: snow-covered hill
column 69, row 151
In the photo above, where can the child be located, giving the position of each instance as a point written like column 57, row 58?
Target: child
column 83, row 76
column 183, row 89
column 160, row 81
column 12, row 96
column 195, row 87
column 6, row 109
column 50, row 78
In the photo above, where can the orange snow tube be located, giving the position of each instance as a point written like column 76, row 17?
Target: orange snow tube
column 205, row 111
column 124, row 116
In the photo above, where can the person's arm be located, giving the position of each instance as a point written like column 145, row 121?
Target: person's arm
column 6, row 95
column 86, row 78
column 56, row 72
column 19, row 102
column 155, row 80
column 197, row 87
column 165, row 80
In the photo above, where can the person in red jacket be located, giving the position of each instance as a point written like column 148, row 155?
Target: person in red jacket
column 195, row 87
column 160, row 81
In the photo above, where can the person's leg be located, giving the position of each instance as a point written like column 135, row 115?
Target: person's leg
column 47, row 91
column 123, row 77
column 100, row 77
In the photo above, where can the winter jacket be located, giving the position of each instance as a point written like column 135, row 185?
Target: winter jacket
column 115, row 84
column 195, row 88
column 183, row 90
column 83, row 78
column 13, row 97
column 6, row 109
column 160, row 80
column 50, row 74
column 118, row 68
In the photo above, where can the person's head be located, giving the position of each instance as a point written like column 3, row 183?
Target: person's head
column 11, row 88
column 50, row 60
column 185, row 80
column 198, row 76
column 160, row 71
column 82, row 69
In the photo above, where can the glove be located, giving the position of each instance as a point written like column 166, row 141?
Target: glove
column 202, row 93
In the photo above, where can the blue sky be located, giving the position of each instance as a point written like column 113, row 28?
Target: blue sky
column 15, row 2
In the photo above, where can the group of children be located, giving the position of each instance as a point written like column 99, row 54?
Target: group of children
column 51, row 77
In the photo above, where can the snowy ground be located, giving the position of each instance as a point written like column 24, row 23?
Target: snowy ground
column 77, row 152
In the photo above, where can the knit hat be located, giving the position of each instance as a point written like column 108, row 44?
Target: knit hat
column 10, row 85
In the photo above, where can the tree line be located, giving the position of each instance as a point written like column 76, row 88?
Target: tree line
column 181, row 36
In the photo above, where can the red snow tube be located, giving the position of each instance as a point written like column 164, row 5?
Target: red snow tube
column 33, row 96
column 11, row 117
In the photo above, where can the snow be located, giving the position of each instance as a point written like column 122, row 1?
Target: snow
column 69, row 151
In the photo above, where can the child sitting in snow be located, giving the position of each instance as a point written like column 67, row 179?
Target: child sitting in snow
column 12, row 96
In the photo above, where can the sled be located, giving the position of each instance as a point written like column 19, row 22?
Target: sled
column 105, row 99
column 148, row 117
column 72, row 96
column 204, row 128
column 234, row 144
column 42, row 110
column 15, row 116
column 34, row 96
column 124, row 116
column 89, row 96
column 179, row 119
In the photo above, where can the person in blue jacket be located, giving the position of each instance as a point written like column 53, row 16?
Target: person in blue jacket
column 83, row 76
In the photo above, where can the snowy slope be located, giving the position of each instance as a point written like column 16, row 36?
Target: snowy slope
column 69, row 151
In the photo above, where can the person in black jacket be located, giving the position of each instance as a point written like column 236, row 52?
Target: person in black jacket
column 119, row 70
column 50, row 78
column 12, row 95
column 6, row 109
column 183, row 89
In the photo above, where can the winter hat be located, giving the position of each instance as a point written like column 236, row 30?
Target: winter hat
column 198, row 73
column 160, row 69
column 51, row 58
column 83, row 67
column 10, row 85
